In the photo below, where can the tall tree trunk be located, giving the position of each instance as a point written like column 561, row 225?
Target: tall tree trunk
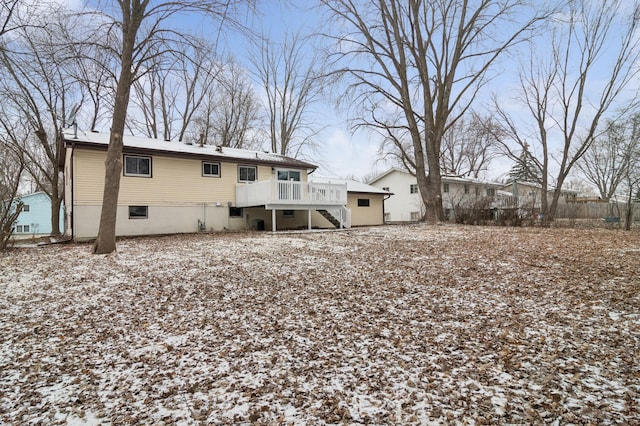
column 56, row 203
column 106, row 239
column 434, row 211
column 628, row 217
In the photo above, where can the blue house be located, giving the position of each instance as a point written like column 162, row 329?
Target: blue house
column 35, row 217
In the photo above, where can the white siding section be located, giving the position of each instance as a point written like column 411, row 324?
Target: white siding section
column 402, row 203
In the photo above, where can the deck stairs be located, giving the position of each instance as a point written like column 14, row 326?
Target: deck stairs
column 334, row 215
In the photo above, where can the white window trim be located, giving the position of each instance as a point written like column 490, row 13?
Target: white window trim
column 136, row 174
column 248, row 167
column 138, row 217
column 212, row 163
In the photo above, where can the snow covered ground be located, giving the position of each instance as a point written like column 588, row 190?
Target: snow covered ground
column 390, row 325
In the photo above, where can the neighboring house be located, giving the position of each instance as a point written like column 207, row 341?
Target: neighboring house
column 529, row 195
column 365, row 202
column 35, row 217
column 457, row 193
column 173, row 187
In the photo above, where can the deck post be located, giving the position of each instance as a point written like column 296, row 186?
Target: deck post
column 309, row 218
column 273, row 220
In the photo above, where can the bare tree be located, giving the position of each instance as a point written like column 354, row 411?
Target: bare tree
column 36, row 92
column 174, row 89
column 414, row 68
column 468, row 146
column 570, row 82
column 292, row 83
column 155, row 95
column 230, row 115
column 7, row 9
column 631, row 184
column 605, row 164
column 85, row 63
column 143, row 26
column 11, row 168
column 13, row 16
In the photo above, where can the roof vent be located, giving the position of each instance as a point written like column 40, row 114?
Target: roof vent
column 219, row 148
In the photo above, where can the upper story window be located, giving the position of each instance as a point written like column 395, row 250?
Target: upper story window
column 491, row 192
column 210, row 169
column 466, row 189
column 26, row 208
column 445, row 187
column 363, row 202
column 413, row 188
column 137, row 166
column 247, row 174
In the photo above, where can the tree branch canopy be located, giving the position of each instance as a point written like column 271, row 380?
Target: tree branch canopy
column 422, row 62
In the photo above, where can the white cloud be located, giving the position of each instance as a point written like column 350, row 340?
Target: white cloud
column 344, row 155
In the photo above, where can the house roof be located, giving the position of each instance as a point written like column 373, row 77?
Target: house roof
column 33, row 195
column 176, row 148
column 386, row 173
column 445, row 178
column 536, row 186
column 352, row 185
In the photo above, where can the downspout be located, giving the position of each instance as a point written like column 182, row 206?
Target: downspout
column 73, row 184
column 383, row 211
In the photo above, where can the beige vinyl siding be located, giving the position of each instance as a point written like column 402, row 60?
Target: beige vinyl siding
column 365, row 216
column 174, row 181
column 360, row 216
column 88, row 176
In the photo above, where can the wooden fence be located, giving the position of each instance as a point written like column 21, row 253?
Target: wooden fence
column 596, row 210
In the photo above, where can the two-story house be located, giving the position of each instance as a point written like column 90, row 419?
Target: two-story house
column 173, row 187
column 457, row 193
column 35, row 216
column 529, row 195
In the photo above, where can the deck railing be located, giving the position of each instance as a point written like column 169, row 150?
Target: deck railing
column 290, row 193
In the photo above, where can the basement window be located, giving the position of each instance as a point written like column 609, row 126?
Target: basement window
column 288, row 213
column 235, row 212
column 138, row 212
